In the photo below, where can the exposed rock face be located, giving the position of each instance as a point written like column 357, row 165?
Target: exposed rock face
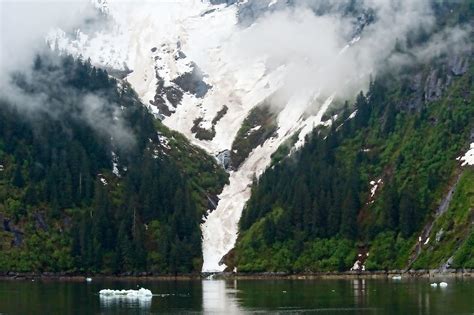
column 458, row 65
column 166, row 95
column 169, row 96
column 40, row 222
column 228, row 2
column 429, row 87
column 433, row 86
column 224, row 159
column 9, row 227
column 251, row 10
column 212, row 202
column 193, row 82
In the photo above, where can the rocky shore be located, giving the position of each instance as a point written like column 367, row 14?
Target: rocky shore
column 396, row 274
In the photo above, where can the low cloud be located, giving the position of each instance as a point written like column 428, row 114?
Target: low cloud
column 310, row 39
column 325, row 47
column 24, row 27
column 105, row 119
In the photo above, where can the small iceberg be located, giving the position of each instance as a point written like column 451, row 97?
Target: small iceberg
column 397, row 278
column 443, row 284
column 136, row 298
column 141, row 293
column 434, row 284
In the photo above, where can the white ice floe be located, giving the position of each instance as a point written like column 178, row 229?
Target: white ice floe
column 141, row 298
column 134, row 294
column 468, row 157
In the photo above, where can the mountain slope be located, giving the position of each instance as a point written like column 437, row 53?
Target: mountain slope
column 367, row 185
column 211, row 69
column 92, row 182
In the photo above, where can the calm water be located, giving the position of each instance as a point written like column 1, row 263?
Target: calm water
column 242, row 297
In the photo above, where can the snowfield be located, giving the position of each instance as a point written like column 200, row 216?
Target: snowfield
column 468, row 157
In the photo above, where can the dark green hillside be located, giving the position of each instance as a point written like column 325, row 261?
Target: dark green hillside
column 314, row 211
column 91, row 182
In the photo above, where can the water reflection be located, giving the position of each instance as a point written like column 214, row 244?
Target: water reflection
column 360, row 296
column 124, row 301
column 360, row 292
column 219, row 297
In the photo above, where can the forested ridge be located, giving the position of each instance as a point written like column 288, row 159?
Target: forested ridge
column 90, row 181
column 380, row 182
column 367, row 183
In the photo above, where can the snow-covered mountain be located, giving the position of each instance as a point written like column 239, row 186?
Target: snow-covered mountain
column 193, row 63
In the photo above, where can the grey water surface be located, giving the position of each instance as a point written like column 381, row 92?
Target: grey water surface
column 361, row 296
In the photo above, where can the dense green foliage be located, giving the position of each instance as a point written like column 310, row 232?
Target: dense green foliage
column 257, row 127
column 322, row 192
column 452, row 234
column 87, row 184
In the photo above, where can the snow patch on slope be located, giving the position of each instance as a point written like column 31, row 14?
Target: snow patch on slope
column 468, row 157
column 220, row 230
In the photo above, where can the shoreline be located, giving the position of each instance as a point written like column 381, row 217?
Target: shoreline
column 348, row 275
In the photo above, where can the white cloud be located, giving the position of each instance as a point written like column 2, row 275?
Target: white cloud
column 24, row 25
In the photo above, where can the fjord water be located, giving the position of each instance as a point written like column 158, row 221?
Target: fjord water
column 360, row 296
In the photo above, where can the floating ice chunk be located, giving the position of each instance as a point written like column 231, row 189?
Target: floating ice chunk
column 141, row 293
column 443, row 284
column 434, row 284
column 397, row 278
column 141, row 297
